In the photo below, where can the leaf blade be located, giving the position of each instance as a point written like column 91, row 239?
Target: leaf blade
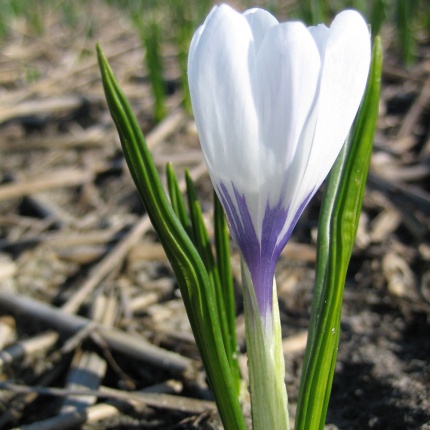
column 186, row 262
column 336, row 235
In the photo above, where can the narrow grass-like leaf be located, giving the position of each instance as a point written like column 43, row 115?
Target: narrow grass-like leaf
column 182, row 12
column 313, row 11
column 203, row 7
column 222, row 246
column 220, row 271
column 151, row 40
column 203, row 245
column 378, row 14
column 177, row 200
column 338, row 224
column 406, row 11
column 189, row 269
column 183, row 45
column 145, row 18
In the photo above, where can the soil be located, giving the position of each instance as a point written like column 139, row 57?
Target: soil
column 70, row 216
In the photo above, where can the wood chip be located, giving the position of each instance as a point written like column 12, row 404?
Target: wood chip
column 67, row 177
column 120, row 341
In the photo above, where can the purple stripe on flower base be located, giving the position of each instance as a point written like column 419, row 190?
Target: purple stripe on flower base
column 261, row 258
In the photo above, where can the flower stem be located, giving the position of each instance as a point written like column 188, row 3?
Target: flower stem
column 269, row 402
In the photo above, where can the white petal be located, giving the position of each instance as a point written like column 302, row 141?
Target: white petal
column 260, row 22
column 345, row 51
column 221, row 86
column 345, row 68
column 287, row 72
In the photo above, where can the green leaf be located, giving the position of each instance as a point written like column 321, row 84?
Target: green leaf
column 313, row 11
column 222, row 246
column 176, row 199
column 148, row 25
column 219, row 271
column 189, row 269
column 378, row 14
column 203, row 245
column 338, row 224
column 406, row 13
column 182, row 13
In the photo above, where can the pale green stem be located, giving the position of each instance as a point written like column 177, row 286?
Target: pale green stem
column 269, row 402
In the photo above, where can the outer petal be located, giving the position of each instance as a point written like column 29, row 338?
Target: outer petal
column 346, row 60
column 345, row 56
column 260, row 22
column 221, row 86
column 198, row 33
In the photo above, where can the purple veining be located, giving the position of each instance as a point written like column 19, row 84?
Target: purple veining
column 261, row 257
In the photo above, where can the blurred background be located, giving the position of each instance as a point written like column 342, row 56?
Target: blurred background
column 72, row 228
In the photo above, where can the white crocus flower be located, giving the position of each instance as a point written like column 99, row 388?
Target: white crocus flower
column 273, row 104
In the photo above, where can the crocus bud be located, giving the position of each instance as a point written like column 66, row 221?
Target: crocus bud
column 273, row 104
